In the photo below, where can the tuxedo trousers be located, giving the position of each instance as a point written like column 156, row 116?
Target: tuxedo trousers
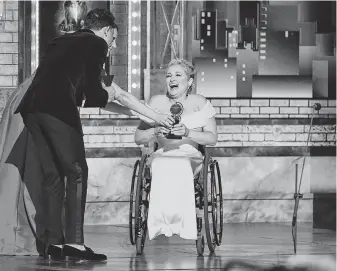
column 61, row 153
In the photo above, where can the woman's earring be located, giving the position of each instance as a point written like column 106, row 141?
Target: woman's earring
column 188, row 90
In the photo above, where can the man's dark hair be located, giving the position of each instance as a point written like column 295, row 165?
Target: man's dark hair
column 98, row 18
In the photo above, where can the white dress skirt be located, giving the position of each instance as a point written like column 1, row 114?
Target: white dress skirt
column 172, row 200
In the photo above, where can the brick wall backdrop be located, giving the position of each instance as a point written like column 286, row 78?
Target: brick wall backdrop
column 241, row 122
column 8, row 52
column 259, row 124
column 103, row 129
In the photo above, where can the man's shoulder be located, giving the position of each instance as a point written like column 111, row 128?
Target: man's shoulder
column 85, row 38
column 93, row 42
column 88, row 36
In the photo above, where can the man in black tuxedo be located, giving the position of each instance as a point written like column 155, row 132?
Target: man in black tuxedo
column 69, row 73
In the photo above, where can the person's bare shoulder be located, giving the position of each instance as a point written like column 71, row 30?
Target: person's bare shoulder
column 198, row 100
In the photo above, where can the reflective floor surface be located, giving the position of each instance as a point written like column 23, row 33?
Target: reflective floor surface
column 260, row 243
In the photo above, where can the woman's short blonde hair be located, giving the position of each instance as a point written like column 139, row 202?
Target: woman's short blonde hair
column 187, row 66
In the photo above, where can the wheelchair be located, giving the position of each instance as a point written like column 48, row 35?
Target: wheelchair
column 208, row 197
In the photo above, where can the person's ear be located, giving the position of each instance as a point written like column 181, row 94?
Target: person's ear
column 105, row 30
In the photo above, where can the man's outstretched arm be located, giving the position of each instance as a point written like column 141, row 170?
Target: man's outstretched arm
column 119, row 109
column 131, row 102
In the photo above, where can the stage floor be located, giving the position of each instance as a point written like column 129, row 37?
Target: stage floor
column 261, row 243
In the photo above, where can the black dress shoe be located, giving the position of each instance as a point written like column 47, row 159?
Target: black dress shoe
column 53, row 253
column 40, row 247
column 74, row 254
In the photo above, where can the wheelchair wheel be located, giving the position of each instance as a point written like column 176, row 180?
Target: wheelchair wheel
column 142, row 205
column 217, row 216
column 132, row 228
column 213, row 212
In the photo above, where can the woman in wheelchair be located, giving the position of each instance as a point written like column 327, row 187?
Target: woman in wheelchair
column 177, row 160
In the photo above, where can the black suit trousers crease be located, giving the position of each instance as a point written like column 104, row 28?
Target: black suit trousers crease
column 61, row 153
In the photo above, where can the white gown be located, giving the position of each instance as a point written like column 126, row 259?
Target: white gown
column 172, row 200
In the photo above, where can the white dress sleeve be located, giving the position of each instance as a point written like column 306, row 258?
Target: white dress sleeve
column 200, row 118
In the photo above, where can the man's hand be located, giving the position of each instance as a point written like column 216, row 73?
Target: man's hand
column 111, row 92
column 114, row 91
column 164, row 120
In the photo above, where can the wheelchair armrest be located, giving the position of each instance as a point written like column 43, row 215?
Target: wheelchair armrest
column 202, row 149
column 150, row 147
column 155, row 146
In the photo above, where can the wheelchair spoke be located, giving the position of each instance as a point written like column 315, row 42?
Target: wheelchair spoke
column 213, row 203
column 139, row 218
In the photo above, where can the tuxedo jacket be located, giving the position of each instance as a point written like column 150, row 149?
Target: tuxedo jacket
column 69, row 72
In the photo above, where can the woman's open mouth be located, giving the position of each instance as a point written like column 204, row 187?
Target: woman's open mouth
column 174, row 86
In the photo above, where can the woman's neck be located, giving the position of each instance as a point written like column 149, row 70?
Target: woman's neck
column 180, row 99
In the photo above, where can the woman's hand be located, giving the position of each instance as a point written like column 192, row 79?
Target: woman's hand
column 161, row 131
column 180, row 130
column 164, row 119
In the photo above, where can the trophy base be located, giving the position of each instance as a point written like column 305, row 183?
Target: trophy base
column 171, row 136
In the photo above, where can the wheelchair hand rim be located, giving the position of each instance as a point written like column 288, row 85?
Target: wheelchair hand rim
column 132, row 203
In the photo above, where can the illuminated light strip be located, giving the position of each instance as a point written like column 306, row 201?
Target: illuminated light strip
column 35, row 36
column 37, row 33
column 147, row 84
column 134, row 45
column 129, row 47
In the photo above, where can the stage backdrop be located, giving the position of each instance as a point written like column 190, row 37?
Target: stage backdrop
column 260, row 139
column 248, row 49
column 59, row 17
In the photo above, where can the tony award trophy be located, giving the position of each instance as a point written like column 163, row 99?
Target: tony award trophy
column 176, row 110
